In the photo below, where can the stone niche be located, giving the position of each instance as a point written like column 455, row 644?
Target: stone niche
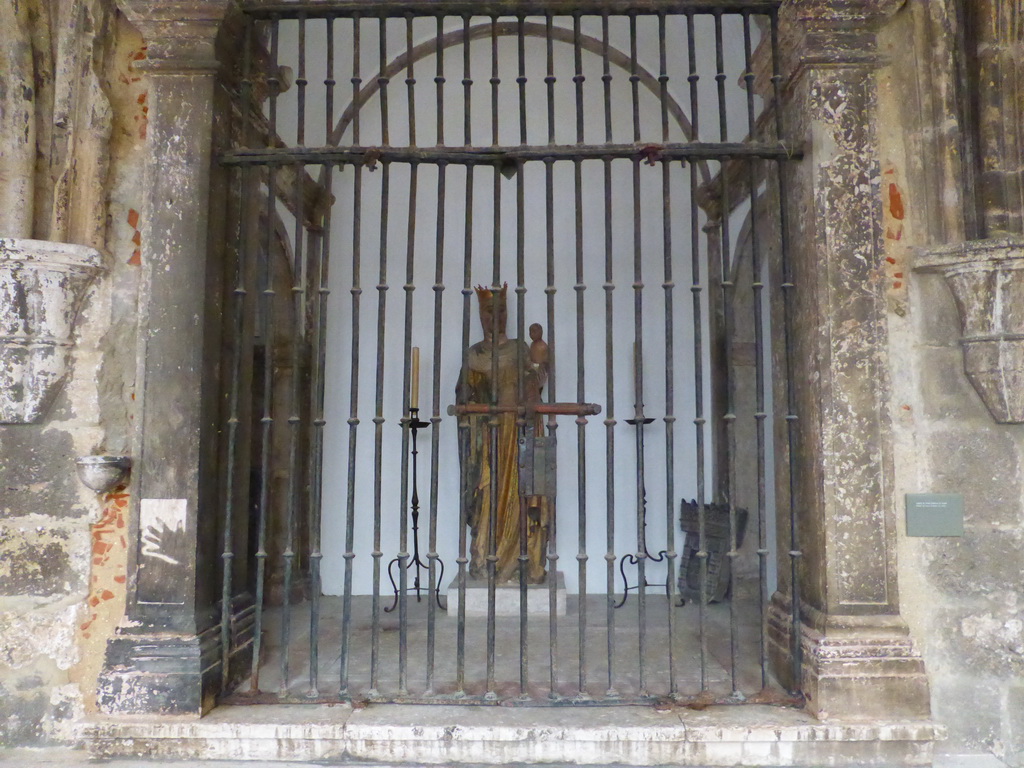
column 987, row 281
column 42, row 287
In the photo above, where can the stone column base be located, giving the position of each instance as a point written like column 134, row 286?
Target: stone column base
column 167, row 674
column 170, row 673
column 854, row 667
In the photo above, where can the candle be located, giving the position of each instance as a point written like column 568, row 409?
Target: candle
column 414, row 396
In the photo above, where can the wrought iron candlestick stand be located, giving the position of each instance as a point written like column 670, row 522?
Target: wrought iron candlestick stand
column 415, row 425
column 638, row 422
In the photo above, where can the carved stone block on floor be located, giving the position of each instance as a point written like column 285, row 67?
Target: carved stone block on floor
column 506, row 597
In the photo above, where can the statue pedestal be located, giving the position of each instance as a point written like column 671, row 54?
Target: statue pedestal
column 506, row 597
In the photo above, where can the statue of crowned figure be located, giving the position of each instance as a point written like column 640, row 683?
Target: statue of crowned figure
column 500, row 431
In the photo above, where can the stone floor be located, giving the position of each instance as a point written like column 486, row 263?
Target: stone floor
column 682, row 646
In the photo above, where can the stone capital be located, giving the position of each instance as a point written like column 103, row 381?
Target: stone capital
column 831, row 32
column 179, row 34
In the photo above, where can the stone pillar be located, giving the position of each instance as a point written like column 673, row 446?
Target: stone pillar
column 165, row 657
column 858, row 660
column 998, row 79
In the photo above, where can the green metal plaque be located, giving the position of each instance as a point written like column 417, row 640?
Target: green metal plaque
column 935, row 514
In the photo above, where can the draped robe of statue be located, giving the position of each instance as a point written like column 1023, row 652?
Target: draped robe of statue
column 495, row 370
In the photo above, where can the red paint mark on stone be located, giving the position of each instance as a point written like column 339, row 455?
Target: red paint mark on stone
column 890, row 259
column 133, row 218
column 897, row 284
column 136, row 259
column 895, row 201
column 120, row 579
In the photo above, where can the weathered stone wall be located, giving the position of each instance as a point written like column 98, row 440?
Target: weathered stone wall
column 963, row 597
column 78, row 113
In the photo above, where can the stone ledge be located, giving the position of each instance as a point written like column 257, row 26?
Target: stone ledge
column 394, row 734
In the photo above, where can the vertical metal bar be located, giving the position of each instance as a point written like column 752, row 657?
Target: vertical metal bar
column 492, row 546
column 494, row 419
column 495, row 82
column 378, row 419
column 581, row 421
column 578, row 78
column 788, row 288
column 410, row 80
column 294, row 419
column 298, row 291
column 550, row 79
column 318, row 423
column 383, row 80
column 638, row 313
column 520, row 361
column 609, row 357
column 267, row 420
column 670, row 417
column 316, row 463
column 329, row 80
column 301, row 82
column 378, row 422
column 439, row 80
column 549, row 291
column 298, row 325
column 435, row 418
column 467, row 292
column 699, row 420
column 409, row 287
column 239, row 301
column 467, row 85
column 757, row 286
column 728, row 295
column 353, row 416
column 521, row 78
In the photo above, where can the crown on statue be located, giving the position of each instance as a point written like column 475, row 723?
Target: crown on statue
column 486, row 295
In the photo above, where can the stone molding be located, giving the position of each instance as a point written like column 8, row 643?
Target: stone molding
column 986, row 278
column 179, row 34
column 42, row 287
column 830, row 32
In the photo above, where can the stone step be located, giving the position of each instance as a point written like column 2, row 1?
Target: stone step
column 402, row 735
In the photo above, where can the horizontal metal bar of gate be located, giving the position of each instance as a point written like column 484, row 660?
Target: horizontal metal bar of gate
column 491, row 155
column 375, row 8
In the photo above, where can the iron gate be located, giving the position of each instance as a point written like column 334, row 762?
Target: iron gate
column 584, row 171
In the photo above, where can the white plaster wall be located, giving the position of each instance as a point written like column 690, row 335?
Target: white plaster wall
column 438, row 376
